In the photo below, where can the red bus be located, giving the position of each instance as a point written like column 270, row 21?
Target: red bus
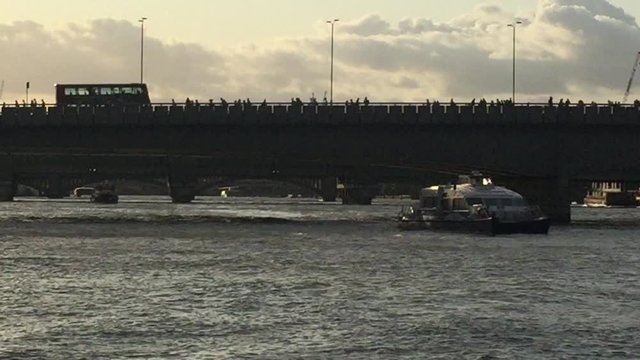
column 102, row 94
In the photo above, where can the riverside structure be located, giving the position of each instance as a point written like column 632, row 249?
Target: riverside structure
column 536, row 149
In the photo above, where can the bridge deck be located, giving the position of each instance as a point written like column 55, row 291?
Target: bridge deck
column 274, row 114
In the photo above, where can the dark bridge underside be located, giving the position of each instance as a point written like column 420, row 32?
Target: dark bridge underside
column 379, row 152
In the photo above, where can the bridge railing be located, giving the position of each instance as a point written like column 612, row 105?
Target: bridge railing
column 194, row 112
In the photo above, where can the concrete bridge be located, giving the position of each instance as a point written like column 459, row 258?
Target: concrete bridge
column 536, row 149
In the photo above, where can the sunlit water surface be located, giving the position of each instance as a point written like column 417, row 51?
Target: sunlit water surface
column 298, row 278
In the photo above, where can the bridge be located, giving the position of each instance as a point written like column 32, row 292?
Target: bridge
column 537, row 149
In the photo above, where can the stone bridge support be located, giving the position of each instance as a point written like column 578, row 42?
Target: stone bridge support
column 182, row 188
column 8, row 185
column 359, row 194
column 329, row 188
column 182, row 181
column 551, row 194
column 55, row 187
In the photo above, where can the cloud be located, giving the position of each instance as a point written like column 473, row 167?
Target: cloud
column 565, row 48
column 367, row 26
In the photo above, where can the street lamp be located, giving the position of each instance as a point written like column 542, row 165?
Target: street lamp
column 332, row 22
column 514, row 25
column 141, row 21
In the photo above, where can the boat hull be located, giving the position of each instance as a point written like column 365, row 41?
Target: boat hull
column 533, row 226
column 622, row 199
column 480, row 226
column 105, row 199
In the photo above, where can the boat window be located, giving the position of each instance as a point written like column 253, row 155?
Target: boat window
column 491, row 202
column 474, row 201
column 428, row 202
column 519, row 202
column 446, row 204
column 506, row 202
column 460, row 204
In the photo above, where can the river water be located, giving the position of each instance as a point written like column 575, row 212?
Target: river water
column 298, row 278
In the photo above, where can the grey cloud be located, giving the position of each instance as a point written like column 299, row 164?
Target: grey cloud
column 408, row 83
column 593, row 7
column 103, row 51
column 369, row 25
column 418, row 26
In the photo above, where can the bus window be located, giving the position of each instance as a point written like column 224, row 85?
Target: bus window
column 102, row 94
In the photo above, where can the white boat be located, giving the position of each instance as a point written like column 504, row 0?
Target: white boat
column 83, row 190
column 607, row 194
column 474, row 204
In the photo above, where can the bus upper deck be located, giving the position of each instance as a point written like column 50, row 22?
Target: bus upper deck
column 102, row 94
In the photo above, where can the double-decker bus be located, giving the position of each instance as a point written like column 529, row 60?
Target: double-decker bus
column 102, row 94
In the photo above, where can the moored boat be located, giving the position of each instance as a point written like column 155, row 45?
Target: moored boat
column 104, row 193
column 82, row 191
column 474, row 204
column 608, row 194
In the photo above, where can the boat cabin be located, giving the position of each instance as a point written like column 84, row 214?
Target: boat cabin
column 82, row 191
column 470, row 191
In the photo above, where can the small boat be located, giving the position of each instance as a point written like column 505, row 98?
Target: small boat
column 82, row 191
column 607, row 194
column 474, row 205
column 104, row 193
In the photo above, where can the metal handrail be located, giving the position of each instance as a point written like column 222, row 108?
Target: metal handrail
column 321, row 104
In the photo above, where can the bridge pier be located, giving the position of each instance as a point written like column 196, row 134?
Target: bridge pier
column 8, row 188
column 358, row 194
column 55, row 187
column 8, row 185
column 551, row 194
column 329, row 188
column 182, row 190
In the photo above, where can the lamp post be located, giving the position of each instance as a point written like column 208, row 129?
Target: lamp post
column 513, row 26
column 332, row 22
column 141, row 21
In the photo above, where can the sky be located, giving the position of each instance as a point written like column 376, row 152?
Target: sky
column 388, row 51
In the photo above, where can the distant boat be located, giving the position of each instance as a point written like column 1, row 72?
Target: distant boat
column 82, row 191
column 473, row 205
column 606, row 194
column 104, row 193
